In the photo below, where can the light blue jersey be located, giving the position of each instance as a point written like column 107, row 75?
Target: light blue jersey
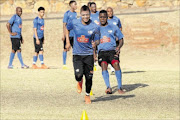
column 39, row 25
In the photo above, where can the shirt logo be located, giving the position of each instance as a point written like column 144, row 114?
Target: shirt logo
column 20, row 26
column 83, row 39
column 42, row 27
column 96, row 22
column 114, row 23
column 90, row 32
column 105, row 39
column 110, row 31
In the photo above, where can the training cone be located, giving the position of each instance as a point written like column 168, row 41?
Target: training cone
column 84, row 116
column 95, row 68
column 91, row 93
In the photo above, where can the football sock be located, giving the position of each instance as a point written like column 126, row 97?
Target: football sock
column 11, row 58
column 41, row 59
column 118, row 77
column 35, row 59
column 105, row 75
column 20, row 58
column 64, row 57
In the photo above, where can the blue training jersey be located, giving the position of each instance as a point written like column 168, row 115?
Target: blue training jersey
column 16, row 25
column 69, row 16
column 108, row 37
column 115, row 21
column 95, row 17
column 39, row 25
column 83, row 36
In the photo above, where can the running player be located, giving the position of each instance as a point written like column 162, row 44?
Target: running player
column 69, row 15
column 39, row 38
column 94, row 13
column 112, row 19
column 108, row 52
column 14, row 27
column 86, row 34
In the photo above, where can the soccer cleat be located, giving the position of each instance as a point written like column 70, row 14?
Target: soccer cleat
column 10, row 67
column 120, row 91
column 65, row 67
column 25, row 66
column 43, row 66
column 79, row 86
column 87, row 99
column 108, row 91
column 34, row 66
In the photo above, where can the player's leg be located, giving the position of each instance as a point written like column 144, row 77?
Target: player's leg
column 88, row 71
column 78, row 71
column 10, row 66
column 64, row 55
column 18, row 45
column 35, row 57
column 103, row 62
column 41, row 57
column 115, row 64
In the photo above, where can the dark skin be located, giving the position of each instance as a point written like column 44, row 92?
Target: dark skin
column 19, row 13
column 103, row 20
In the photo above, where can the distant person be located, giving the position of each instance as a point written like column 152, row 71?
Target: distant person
column 68, row 16
column 112, row 19
column 108, row 52
column 14, row 27
column 89, row 3
column 86, row 37
column 94, row 13
column 39, row 38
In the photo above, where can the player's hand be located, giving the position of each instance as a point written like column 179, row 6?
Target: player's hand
column 63, row 38
column 22, row 41
column 68, row 46
column 117, row 50
column 14, row 34
column 37, row 42
column 43, row 42
column 95, row 58
column 93, row 44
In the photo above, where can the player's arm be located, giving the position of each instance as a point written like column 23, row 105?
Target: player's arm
column 119, row 35
column 8, row 25
column 64, row 31
column 68, row 45
column 35, row 31
column 119, row 24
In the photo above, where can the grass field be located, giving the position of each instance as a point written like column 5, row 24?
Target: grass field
column 150, row 78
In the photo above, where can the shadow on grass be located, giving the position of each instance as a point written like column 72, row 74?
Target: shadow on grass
column 127, row 72
column 130, row 87
column 112, row 97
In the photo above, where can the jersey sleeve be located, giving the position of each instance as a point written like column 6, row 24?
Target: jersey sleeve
column 118, row 33
column 12, row 20
column 69, row 25
column 35, row 23
column 96, row 34
column 119, row 23
column 65, row 19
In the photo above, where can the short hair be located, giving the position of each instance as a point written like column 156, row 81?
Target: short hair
column 103, row 11
column 92, row 3
column 40, row 8
column 89, row 3
column 85, row 8
column 71, row 2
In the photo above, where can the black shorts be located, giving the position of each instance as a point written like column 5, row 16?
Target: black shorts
column 40, row 46
column 108, row 57
column 71, row 42
column 83, row 64
column 16, row 43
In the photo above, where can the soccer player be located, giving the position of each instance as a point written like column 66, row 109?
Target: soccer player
column 86, row 37
column 14, row 27
column 94, row 13
column 89, row 4
column 112, row 19
column 68, row 16
column 108, row 52
column 39, row 39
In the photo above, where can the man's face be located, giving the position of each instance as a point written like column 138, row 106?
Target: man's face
column 19, row 11
column 103, row 18
column 85, row 16
column 93, row 8
column 41, row 13
column 74, row 5
column 110, row 12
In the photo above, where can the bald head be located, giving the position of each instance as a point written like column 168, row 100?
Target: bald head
column 19, row 11
column 110, row 12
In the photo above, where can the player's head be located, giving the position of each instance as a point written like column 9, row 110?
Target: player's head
column 93, row 7
column 73, row 4
column 103, row 16
column 19, row 11
column 41, row 11
column 85, row 13
column 89, row 3
column 110, row 12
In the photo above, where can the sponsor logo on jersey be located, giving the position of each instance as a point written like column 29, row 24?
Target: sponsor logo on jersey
column 42, row 27
column 105, row 39
column 83, row 39
column 114, row 23
column 109, row 31
column 90, row 32
column 96, row 22
column 20, row 26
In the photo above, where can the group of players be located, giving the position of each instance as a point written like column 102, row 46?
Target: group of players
column 93, row 34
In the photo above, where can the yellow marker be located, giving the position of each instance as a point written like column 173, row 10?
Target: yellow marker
column 95, row 69
column 91, row 93
column 84, row 116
